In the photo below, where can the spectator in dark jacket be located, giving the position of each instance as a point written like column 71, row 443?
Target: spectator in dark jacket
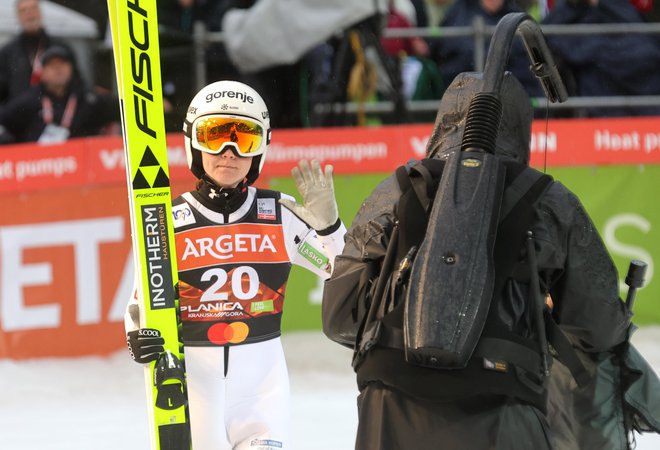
column 455, row 55
column 606, row 64
column 20, row 58
column 59, row 107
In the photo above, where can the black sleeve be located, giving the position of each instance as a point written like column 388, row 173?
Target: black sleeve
column 109, row 108
column 20, row 118
column 345, row 292
column 421, row 14
column 95, row 112
column 584, row 282
column 4, row 80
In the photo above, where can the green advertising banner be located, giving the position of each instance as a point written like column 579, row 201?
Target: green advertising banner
column 619, row 199
column 621, row 202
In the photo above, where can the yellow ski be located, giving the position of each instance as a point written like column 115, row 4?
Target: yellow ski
column 134, row 29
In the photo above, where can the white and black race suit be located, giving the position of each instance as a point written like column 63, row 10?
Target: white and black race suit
column 233, row 269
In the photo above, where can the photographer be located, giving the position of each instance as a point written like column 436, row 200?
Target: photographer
column 499, row 399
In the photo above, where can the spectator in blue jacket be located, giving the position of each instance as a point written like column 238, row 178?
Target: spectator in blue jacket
column 606, row 64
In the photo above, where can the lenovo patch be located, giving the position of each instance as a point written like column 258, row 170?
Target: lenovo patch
column 266, row 209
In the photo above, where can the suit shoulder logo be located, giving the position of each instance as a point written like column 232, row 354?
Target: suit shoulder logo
column 266, row 209
column 182, row 215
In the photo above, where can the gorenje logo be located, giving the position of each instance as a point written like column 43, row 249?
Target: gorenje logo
column 158, row 263
column 242, row 96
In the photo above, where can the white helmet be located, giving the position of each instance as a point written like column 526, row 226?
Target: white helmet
column 232, row 100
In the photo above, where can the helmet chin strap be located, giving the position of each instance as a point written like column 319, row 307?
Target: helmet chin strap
column 254, row 171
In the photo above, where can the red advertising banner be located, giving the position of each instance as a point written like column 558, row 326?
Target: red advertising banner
column 554, row 143
column 66, row 267
column 66, row 271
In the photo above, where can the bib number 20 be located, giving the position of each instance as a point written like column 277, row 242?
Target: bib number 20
column 220, row 278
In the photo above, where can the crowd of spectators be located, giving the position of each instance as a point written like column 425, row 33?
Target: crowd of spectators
column 607, row 65
column 344, row 67
column 43, row 98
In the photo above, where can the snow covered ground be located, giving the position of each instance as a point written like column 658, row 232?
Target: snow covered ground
column 98, row 403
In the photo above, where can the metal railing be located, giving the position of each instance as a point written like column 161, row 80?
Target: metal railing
column 480, row 33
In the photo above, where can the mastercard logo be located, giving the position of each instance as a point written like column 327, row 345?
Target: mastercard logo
column 228, row 333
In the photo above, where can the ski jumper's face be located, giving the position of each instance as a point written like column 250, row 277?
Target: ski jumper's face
column 226, row 169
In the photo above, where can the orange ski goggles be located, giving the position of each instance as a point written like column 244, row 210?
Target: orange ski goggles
column 212, row 133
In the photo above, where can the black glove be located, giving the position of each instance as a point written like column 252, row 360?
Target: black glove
column 145, row 345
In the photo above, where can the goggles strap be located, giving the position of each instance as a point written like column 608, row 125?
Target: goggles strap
column 187, row 130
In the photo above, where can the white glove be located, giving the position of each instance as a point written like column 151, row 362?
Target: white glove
column 319, row 208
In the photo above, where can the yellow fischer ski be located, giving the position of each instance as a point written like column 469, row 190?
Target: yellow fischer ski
column 134, row 29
